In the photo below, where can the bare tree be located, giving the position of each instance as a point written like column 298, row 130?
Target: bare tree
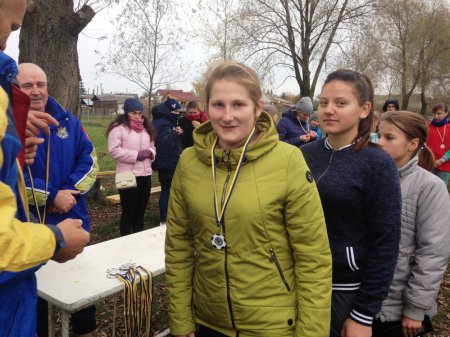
column 220, row 27
column 145, row 47
column 49, row 38
column 298, row 35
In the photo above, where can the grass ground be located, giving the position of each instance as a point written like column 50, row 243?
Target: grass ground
column 105, row 226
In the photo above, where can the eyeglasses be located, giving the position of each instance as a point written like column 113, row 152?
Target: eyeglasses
column 438, row 112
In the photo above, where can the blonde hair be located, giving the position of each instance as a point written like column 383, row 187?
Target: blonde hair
column 236, row 72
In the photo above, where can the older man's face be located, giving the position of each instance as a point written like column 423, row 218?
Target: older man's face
column 11, row 15
column 33, row 82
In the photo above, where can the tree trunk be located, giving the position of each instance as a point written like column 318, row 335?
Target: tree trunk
column 423, row 98
column 48, row 38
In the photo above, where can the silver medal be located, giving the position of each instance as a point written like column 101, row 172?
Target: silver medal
column 218, row 241
column 442, row 146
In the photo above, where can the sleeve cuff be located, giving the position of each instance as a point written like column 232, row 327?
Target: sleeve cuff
column 413, row 313
column 59, row 238
column 361, row 318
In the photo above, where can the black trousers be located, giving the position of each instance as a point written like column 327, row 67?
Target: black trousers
column 134, row 202
column 341, row 306
column 83, row 321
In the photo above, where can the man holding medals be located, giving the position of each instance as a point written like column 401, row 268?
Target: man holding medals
column 247, row 252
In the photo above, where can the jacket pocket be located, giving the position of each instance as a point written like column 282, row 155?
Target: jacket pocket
column 280, row 271
column 351, row 260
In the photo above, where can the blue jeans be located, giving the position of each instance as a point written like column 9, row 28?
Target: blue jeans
column 165, row 178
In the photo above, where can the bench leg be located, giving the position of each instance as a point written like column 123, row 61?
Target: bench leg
column 51, row 320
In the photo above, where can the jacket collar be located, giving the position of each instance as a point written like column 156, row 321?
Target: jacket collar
column 55, row 109
column 330, row 147
column 409, row 167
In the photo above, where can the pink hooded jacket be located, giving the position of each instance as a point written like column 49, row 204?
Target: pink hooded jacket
column 124, row 145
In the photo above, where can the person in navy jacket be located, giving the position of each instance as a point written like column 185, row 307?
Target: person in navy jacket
column 168, row 148
column 294, row 127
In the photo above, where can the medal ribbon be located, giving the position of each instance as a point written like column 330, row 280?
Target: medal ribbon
column 47, row 172
column 219, row 213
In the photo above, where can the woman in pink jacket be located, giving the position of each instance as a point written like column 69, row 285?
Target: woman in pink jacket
column 131, row 144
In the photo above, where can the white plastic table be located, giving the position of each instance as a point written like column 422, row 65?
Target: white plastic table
column 81, row 282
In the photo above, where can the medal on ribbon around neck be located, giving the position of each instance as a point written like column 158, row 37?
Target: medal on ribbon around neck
column 218, row 240
column 442, row 137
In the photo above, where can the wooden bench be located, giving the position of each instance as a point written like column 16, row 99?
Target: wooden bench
column 115, row 198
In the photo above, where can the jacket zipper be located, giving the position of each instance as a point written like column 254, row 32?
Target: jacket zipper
column 280, row 271
column 227, row 279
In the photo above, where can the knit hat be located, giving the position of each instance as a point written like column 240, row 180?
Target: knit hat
column 131, row 105
column 172, row 104
column 314, row 116
column 304, row 105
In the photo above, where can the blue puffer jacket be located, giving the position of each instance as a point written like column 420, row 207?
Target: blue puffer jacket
column 168, row 142
column 73, row 166
column 18, row 291
column 289, row 128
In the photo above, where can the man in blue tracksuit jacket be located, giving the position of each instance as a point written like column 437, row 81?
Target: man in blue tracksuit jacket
column 63, row 172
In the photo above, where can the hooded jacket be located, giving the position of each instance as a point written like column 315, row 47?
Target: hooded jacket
column 73, row 166
column 168, row 142
column 424, row 245
column 290, row 128
column 22, row 244
column 393, row 101
column 273, row 278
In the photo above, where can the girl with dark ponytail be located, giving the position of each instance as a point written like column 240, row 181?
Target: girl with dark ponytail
column 424, row 249
column 360, row 192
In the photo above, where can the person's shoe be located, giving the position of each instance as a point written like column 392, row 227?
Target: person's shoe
column 162, row 223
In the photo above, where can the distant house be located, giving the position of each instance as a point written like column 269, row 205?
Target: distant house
column 104, row 104
column 120, row 98
column 181, row 96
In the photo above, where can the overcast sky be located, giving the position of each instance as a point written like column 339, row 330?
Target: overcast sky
column 89, row 42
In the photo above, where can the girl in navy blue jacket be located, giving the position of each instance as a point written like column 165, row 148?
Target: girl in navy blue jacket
column 359, row 187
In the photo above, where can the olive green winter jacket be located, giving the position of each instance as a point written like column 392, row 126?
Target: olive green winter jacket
column 274, row 276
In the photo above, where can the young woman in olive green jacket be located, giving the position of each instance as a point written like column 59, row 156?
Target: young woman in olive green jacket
column 247, row 252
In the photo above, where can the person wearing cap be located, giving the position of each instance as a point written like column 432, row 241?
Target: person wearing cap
column 63, row 172
column 131, row 142
column 315, row 125
column 294, row 127
column 168, row 148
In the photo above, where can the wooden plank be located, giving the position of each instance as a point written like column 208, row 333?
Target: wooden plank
column 102, row 174
column 115, row 198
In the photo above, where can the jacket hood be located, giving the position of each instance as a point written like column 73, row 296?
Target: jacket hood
column 8, row 70
column 393, row 101
column 265, row 140
column 163, row 112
